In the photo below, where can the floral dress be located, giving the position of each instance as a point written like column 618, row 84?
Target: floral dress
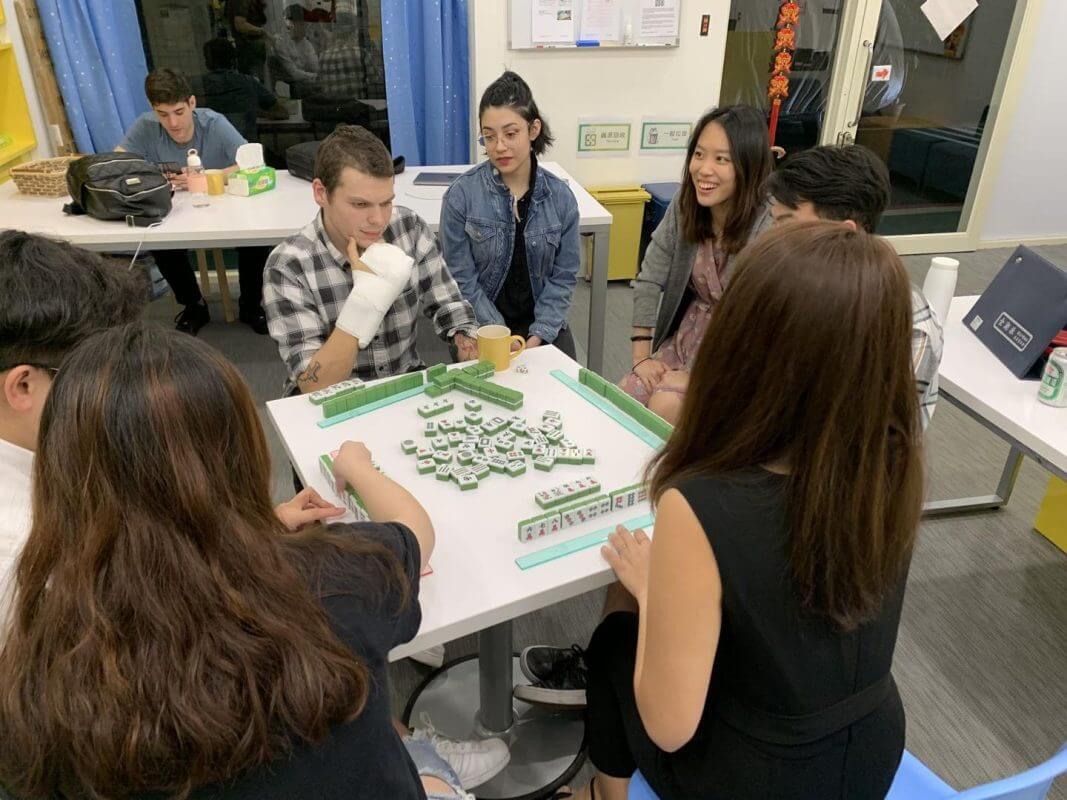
column 679, row 350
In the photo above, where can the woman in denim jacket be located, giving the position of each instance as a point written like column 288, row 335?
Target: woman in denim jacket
column 509, row 229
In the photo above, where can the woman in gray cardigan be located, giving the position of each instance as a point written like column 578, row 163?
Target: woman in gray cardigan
column 719, row 207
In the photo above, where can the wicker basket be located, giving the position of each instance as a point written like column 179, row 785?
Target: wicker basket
column 46, row 177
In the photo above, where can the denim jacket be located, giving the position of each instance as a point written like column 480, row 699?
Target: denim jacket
column 478, row 236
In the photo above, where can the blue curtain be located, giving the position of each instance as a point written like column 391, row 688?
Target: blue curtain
column 100, row 67
column 427, row 74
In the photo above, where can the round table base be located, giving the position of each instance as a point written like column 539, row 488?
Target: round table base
column 547, row 748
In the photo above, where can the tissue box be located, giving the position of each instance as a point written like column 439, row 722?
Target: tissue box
column 248, row 182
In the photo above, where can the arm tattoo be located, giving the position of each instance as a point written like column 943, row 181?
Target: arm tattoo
column 311, row 374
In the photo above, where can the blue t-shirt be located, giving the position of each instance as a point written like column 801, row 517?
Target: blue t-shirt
column 214, row 137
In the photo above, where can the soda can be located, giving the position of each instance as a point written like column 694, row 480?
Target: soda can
column 1054, row 381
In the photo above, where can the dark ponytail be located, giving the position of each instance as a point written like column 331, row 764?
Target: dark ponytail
column 511, row 91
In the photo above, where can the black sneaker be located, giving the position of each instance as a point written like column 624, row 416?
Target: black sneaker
column 557, row 676
column 192, row 318
column 256, row 320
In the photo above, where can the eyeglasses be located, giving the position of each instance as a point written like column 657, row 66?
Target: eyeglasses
column 510, row 137
column 45, row 367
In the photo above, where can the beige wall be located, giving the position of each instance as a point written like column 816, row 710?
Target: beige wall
column 630, row 83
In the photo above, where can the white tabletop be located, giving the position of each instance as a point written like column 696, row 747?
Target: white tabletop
column 231, row 221
column 972, row 375
column 476, row 582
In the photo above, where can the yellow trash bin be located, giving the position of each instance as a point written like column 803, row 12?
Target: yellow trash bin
column 627, row 207
column 1051, row 519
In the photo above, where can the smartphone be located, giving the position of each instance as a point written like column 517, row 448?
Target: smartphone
column 170, row 167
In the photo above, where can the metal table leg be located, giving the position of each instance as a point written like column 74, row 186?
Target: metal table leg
column 598, row 298
column 472, row 698
column 1008, row 476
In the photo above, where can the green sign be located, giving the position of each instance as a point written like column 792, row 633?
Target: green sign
column 603, row 137
column 665, row 135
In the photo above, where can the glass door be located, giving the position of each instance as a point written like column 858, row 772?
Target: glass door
column 927, row 107
column 875, row 73
column 821, row 29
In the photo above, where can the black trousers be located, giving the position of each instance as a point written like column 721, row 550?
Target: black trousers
column 721, row 762
column 175, row 267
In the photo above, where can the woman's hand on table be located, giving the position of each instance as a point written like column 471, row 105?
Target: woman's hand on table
column 305, row 508
column 629, row 555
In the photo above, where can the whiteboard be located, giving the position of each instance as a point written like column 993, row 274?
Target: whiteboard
column 520, row 24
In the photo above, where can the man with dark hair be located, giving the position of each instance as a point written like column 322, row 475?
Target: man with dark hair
column 833, row 183
column 52, row 295
column 342, row 295
column 236, row 96
column 851, row 185
column 165, row 135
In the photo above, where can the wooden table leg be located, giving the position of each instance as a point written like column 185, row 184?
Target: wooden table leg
column 224, row 285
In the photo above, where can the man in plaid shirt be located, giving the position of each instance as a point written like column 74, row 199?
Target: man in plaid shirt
column 851, row 185
column 342, row 295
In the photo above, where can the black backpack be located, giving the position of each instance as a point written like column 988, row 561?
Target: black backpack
column 118, row 186
column 300, row 160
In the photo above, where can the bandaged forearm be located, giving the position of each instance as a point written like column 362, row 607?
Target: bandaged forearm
column 373, row 293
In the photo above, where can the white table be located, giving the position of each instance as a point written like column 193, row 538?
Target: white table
column 476, row 587
column 268, row 218
column 975, row 381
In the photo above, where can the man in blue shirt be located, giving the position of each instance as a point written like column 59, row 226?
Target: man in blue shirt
column 165, row 135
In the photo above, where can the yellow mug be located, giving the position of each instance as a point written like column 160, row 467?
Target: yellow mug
column 494, row 344
column 216, row 181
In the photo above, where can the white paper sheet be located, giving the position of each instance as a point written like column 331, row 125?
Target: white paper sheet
column 659, row 18
column 946, row 15
column 553, row 22
column 601, row 21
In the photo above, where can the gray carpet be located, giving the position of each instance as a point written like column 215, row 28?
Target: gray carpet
column 981, row 660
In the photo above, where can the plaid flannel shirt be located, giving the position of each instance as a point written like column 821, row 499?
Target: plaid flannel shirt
column 350, row 70
column 927, row 345
column 307, row 280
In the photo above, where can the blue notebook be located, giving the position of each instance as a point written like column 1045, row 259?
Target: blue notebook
column 1021, row 311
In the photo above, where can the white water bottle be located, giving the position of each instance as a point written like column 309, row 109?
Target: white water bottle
column 940, row 285
column 196, row 180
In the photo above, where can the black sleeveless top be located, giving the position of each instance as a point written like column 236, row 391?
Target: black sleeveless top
column 796, row 707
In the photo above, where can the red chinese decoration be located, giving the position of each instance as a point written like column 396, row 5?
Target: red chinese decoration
column 785, row 45
column 788, row 14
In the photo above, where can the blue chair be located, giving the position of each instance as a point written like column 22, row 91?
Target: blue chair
column 916, row 781
column 639, row 788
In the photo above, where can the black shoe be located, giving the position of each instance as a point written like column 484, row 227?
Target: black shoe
column 256, row 320
column 192, row 318
column 557, row 676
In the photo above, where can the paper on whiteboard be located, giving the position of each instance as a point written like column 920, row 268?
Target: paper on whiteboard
column 601, row 21
column 658, row 18
column 553, row 22
column 946, row 15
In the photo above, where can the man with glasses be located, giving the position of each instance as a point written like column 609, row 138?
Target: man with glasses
column 52, row 295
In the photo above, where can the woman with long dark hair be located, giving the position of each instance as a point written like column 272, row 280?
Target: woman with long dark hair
column 171, row 634
column 509, row 228
column 746, row 652
column 688, row 264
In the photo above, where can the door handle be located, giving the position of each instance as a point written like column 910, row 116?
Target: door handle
column 844, row 139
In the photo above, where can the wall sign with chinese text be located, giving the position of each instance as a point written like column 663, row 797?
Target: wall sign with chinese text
column 603, row 138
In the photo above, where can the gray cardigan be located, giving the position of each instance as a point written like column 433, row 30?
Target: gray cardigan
column 665, row 272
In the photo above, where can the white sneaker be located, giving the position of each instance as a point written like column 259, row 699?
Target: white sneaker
column 474, row 761
column 431, row 656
